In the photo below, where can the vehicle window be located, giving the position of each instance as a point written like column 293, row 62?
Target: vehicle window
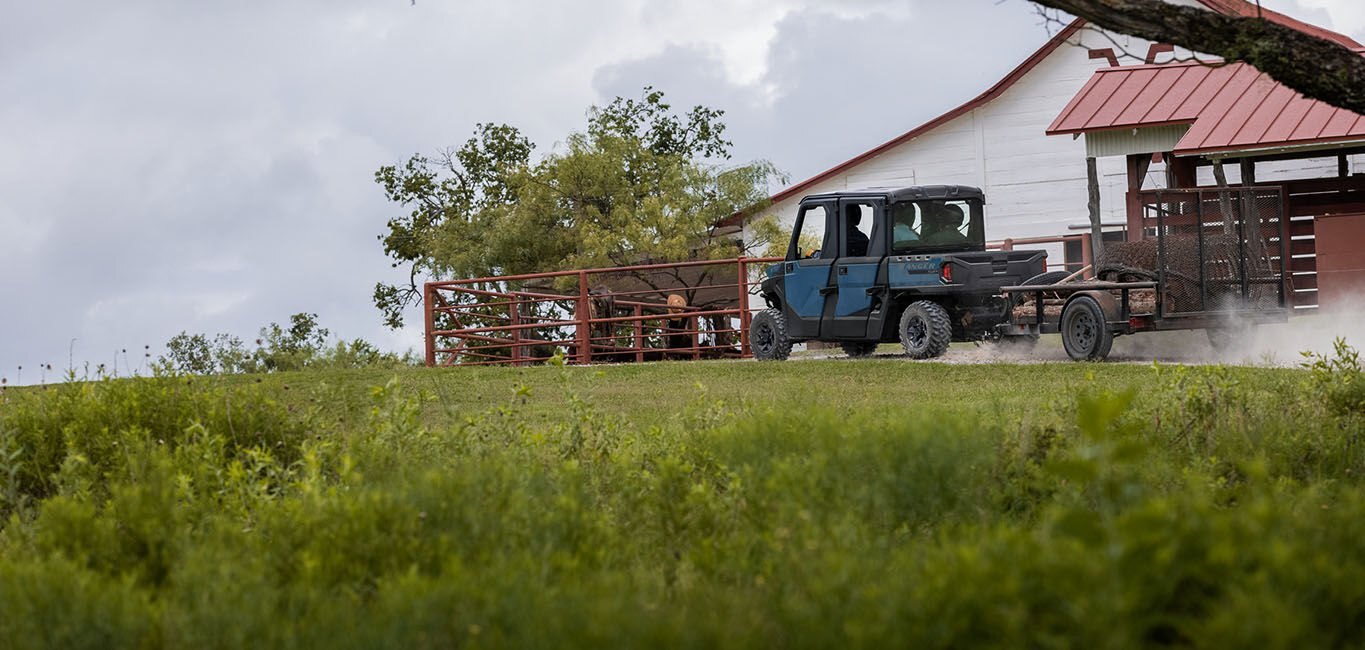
column 936, row 225
column 858, row 221
column 905, row 224
column 810, row 242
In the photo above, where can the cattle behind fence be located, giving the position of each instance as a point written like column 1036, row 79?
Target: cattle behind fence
column 689, row 310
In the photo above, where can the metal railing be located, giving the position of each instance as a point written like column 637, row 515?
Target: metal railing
column 687, row 310
column 1087, row 248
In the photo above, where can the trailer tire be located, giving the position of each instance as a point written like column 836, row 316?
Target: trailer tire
column 858, row 349
column 925, row 330
column 1085, row 332
column 768, row 336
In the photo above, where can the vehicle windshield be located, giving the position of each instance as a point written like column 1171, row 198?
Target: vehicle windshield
column 937, row 225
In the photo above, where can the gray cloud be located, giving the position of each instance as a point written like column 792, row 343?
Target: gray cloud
column 837, row 86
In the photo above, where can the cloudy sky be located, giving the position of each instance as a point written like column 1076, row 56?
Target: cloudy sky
column 171, row 166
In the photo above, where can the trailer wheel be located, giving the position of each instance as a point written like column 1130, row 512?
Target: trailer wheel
column 858, row 349
column 925, row 330
column 1085, row 334
column 768, row 336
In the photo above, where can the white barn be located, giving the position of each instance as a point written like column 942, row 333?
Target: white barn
column 1035, row 185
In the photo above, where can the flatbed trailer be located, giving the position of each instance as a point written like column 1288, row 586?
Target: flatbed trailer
column 1094, row 313
column 1220, row 265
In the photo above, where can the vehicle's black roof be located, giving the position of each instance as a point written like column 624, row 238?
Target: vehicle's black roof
column 914, row 192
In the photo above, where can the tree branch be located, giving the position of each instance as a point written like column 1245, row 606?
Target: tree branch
column 1316, row 67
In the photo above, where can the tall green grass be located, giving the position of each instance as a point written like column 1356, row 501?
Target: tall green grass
column 1214, row 507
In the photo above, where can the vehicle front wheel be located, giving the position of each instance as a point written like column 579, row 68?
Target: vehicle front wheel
column 1085, row 334
column 857, row 349
column 925, row 330
column 768, row 336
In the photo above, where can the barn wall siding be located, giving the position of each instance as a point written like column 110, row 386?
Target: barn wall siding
column 1035, row 185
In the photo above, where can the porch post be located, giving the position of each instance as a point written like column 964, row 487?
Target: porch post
column 1136, row 170
column 1096, row 230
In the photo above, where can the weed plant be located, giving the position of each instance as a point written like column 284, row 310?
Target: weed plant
column 1212, row 508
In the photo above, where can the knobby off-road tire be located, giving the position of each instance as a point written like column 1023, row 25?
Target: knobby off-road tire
column 857, row 349
column 1085, row 334
column 925, row 330
column 768, row 336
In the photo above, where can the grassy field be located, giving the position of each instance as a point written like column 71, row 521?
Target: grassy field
column 818, row 503
column 652, row 392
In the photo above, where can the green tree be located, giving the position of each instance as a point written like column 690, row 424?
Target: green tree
column 640, row 184
column 197, row 354
column 294, row 347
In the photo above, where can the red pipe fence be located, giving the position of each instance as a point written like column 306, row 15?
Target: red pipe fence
column 594, row 316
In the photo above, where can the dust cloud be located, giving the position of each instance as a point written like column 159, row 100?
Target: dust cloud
column 1272, row 345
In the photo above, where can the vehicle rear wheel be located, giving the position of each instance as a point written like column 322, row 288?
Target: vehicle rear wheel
column 925, row 330
column 857, row 349
column 1085, row 334
column 768, row 336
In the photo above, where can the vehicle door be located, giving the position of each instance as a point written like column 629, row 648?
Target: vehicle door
column 806, row 272
column 861, row 251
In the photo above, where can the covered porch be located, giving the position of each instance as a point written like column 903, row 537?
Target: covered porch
column 1182, row 126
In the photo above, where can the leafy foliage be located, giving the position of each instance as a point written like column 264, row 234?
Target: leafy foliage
column 161, row 512
column 639, row 184
column 302, row 345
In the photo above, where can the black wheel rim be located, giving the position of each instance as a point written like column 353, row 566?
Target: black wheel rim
column 917, row 332
column 763, row 338
column 1084, row 331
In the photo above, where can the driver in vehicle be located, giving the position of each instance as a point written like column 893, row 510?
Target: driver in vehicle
column 857, row 241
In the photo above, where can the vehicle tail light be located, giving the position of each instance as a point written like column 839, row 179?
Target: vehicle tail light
column 946, row 274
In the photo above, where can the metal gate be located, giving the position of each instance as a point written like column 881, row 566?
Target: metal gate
column 690, row 310
column 1218, row 250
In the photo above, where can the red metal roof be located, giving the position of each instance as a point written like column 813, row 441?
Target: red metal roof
column 1226, row 7
column 1228, row 107
column 1248, row 10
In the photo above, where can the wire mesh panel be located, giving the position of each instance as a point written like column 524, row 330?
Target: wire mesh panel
column 1216, row 250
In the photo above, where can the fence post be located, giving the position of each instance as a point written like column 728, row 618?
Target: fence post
column 639, row 333
column 1088, row 252
column 428, row 307
column 742, row 279
column 694, row 324
column 514, row 319
column 584, row 318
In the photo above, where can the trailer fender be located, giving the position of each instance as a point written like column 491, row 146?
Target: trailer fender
column 1113, row 312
